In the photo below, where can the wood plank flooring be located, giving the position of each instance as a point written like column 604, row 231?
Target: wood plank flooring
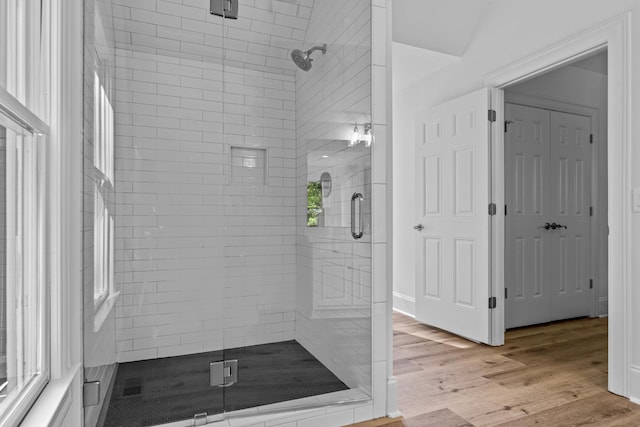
column 547, row 375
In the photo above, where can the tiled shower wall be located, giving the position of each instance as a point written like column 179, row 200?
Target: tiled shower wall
column 334, row 270
column 205, row 176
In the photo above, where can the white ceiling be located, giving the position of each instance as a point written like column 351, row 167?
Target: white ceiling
column 445, row 26
column 596, row 63
column 411, row 64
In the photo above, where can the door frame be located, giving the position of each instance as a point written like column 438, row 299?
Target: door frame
column 613, row 35
column 596, row 220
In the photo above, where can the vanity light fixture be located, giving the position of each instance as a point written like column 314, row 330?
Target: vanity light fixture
column 355, row 137
column 368, row 136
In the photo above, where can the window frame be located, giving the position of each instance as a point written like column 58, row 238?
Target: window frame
column 23, row 119
column 25, row 107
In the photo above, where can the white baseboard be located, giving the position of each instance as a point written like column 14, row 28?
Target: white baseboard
column 404, row 304
column 634, row 384
column 603, row 307
column 392, row 398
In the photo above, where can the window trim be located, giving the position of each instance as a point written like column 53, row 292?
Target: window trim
column 25, row 119
column 61, row 401
column 20, row 114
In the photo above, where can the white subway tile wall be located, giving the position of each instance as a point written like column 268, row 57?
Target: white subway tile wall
column 334, row 270
column 205, row 247
column 206, row 261
column 214, row 125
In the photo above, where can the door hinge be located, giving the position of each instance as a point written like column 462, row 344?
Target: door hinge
column 492, row 115
column 591, row 139
column 505, row 210
column 223, row 374
column 90, row 393
column 506, row 125
column 505, row 293
column 492, row 303
column 492, row 209
column 590, row 210
column 590, row 283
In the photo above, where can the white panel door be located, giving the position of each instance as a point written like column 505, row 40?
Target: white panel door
column 452, row 235
column 528, row 245
column 570, row 174
column 548, row 181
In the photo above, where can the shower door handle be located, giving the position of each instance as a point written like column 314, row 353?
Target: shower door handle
column 357, row 197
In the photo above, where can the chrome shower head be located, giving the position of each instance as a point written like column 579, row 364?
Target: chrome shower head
column 303, row 59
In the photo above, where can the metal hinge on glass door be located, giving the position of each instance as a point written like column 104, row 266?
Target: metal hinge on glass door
column 91, row 393
column 223, row 374
column 224, row 8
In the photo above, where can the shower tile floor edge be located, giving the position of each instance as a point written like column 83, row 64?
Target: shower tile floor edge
column 160, row 391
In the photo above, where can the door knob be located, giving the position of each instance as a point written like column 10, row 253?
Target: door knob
column 553, row 226
column 418, row 227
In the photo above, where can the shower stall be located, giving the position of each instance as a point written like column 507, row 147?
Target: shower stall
column 227, row 208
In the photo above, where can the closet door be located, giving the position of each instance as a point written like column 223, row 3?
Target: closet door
column 548, row 194
column 570, row 175
column 528, row 245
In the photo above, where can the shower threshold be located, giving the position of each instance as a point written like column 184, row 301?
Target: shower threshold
column 161, row 391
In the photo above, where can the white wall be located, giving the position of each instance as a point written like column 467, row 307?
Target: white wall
column 569, row 85
column 450, row 82
column 515, row 30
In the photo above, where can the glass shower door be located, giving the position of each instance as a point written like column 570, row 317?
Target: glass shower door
column 297, row 300
column 153, row 228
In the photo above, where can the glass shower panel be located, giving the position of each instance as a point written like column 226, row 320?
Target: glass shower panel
column 161, row 73
column 334, row 137
column 100, row 292
column 297, row 301
column 259, row 195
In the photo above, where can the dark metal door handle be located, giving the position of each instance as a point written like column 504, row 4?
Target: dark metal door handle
column 357, row 198
column 553, row 226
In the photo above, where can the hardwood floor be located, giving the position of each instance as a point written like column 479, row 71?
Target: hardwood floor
column 547, row 375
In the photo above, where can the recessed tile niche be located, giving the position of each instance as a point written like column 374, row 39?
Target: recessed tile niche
column 248, row 165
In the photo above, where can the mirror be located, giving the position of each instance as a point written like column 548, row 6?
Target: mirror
column 334, row 172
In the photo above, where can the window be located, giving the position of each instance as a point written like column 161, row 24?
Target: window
column 103, row 225
column 24, row 234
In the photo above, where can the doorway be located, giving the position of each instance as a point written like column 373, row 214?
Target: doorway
column 555, row 194
column 613, row 36
column 434, row 194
